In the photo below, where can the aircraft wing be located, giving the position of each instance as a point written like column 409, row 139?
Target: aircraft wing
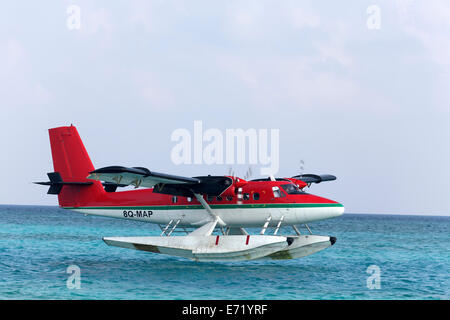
column 161, row 182
column 137, row 177
column 209, row 185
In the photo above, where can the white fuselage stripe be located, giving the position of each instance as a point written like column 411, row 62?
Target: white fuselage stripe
column 245, row 217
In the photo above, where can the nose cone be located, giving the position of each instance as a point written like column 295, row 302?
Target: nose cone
column 339, row 210
column 334, row 210
column 320, row 208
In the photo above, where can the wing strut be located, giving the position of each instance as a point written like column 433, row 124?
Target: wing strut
column 208, row 228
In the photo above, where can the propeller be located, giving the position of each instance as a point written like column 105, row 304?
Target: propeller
column 301, row 172
column 302, row 166
column 312, row 178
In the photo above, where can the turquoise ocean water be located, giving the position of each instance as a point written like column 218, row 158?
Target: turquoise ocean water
column 38, row 244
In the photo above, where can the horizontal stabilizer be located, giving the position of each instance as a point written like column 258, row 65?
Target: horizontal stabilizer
column 56, row 183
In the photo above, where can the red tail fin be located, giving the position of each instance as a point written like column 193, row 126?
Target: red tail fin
column 72, row 161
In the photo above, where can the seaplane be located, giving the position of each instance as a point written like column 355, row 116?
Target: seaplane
column 213, row 213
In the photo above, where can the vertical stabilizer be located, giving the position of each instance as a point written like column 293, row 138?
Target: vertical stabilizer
column 72, row 162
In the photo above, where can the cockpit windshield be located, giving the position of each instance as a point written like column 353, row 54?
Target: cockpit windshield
column 291, row 188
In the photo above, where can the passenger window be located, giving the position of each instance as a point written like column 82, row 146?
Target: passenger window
column 246, row 196
column 209, row 198
column 256, row 196
column 174, row 199
column 219, row 198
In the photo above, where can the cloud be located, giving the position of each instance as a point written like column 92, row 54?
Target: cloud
column 158, row 17
column 429, row 22
column 152, row 92
column 250, row 19
column 300, row 18
column 96, row 21
column 18, row 84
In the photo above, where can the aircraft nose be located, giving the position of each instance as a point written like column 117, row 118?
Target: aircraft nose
column 340, row 210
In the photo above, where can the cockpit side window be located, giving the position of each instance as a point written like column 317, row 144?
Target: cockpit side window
column 291, row 188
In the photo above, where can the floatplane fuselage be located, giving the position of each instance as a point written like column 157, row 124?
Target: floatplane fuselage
column 205, row 204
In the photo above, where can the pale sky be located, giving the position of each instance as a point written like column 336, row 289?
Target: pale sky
column 371, row 106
